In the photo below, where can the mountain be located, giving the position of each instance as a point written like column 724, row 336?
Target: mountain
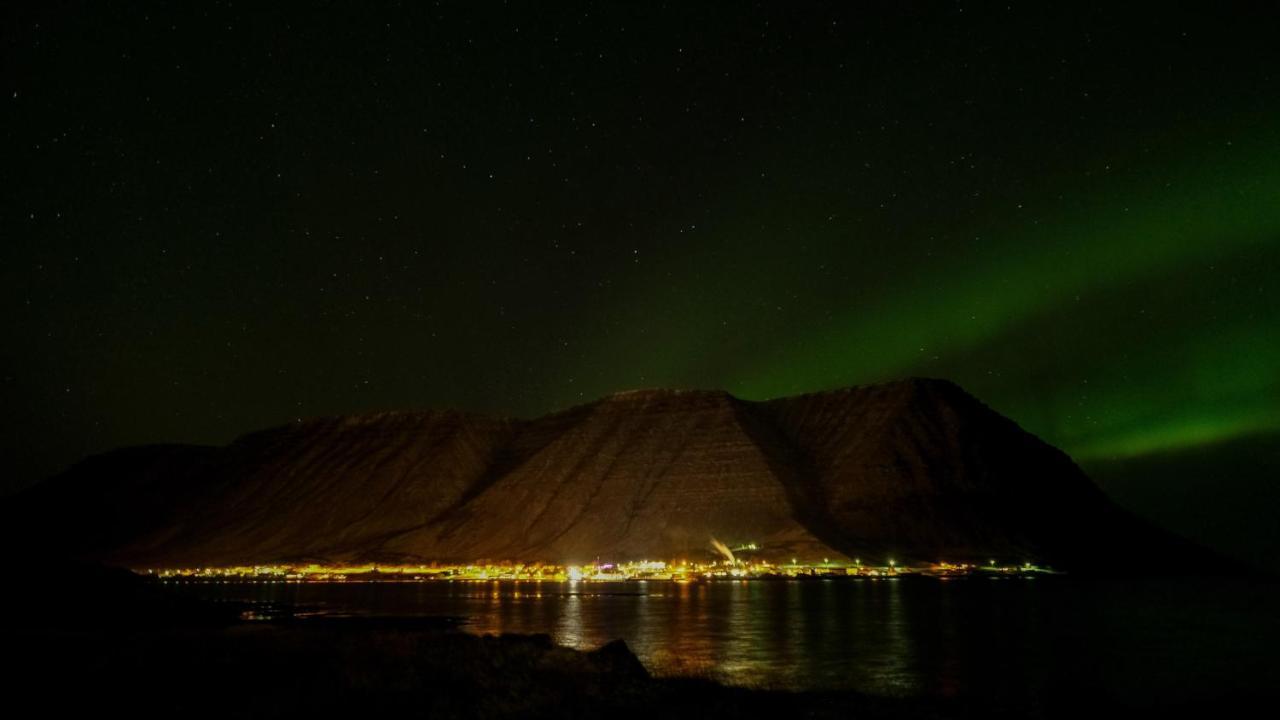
column 916, row 470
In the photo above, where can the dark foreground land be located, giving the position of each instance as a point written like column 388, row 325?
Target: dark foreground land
column 354, row 668
column 120, row 645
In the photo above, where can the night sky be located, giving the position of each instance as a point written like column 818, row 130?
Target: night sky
column 218, row 219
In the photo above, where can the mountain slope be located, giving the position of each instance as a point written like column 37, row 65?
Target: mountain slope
column 652, row 474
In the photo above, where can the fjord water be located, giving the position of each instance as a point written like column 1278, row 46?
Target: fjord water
column 1017, row 642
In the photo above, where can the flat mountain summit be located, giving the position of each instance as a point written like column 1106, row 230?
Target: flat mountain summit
column 915, row 470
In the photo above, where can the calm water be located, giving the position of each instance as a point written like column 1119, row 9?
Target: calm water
column 1022, row 642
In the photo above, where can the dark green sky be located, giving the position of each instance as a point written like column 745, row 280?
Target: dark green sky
column 218, row 220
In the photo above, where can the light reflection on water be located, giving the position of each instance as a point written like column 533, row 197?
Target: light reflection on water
column 1024, row 641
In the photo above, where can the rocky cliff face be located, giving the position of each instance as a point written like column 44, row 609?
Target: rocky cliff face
column 647, row 474
column 917, row 470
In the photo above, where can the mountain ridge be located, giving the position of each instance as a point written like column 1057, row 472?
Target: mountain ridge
column 917, row 470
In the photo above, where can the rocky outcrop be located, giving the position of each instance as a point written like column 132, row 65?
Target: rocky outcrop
column 917, row 470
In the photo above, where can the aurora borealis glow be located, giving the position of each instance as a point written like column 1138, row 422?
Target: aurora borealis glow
column 1175, row 278
column 1075, row 214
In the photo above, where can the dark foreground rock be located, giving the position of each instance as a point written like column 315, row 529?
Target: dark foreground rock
column 353, row 669
column 356, row 670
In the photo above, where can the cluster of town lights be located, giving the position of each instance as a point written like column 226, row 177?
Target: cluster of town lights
column 645, row 570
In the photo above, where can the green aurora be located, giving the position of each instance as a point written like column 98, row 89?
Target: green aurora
column 1130, row 317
